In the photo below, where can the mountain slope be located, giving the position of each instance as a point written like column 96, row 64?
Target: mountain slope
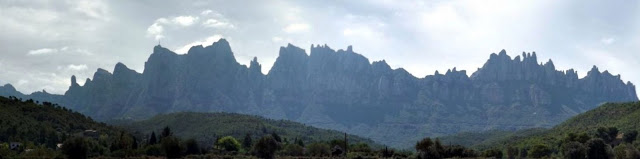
column 624, row 116
column 49, row 124
column 205, row 127
column 343, row 90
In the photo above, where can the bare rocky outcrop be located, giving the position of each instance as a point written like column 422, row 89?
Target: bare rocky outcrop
column 343, row 90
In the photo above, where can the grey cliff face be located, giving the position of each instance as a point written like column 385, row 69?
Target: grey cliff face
column 343, row 90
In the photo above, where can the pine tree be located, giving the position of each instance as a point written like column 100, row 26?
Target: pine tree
column 153, row 140
column 166, row 132
column 246, row 143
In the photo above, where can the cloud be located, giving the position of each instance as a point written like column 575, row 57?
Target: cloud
column 64, row 49
column 213, row 23
column 360, row 31
column 158, row 29
column 206, row 12
column 420, row 36
column 42, row 51
column 276, row 39
column 81, row 67
column 185, row 20
column 206, row 42
column 608, row 40
column 296, row 28
column 22, row 82
column 92, row 8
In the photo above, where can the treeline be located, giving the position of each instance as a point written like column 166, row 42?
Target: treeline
column 165, row 144
column 31, row 128
column 267, row 146
column 602, row 143
column 206, row 127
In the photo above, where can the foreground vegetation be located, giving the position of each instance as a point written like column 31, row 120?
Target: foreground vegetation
column 605, row 132
column 30, row 129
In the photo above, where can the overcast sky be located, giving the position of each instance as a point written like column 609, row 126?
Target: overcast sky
column 43, row 43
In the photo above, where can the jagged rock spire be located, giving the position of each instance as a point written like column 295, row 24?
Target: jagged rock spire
column 73, row 80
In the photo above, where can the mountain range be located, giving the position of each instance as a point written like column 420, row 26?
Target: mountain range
column 343, row 90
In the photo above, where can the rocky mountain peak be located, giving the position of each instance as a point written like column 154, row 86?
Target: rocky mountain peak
column 549, row 65
column 320, row 50
column 74, row 83
column 101, row 75
column 158, row 49
column 254, row 66
column 120, row 68
column 222, row 46
column 502, row 53
column 291, row 50
column 9, row 87
column 594, row 71
column 289, row 57
column 572, row 74
column 381, row 67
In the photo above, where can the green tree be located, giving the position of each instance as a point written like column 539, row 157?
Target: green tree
column 581, row 137
column 512, row 152
column 134, row 145
column 171, row 146
column 228, row 143
column 497, row 153
column 266, row 147
column 192, row 147
column 334, row 143
column 360, row 147
column 246, row 142
column 75, row 148
column 539, row 151
column 424, row 144
column 387, row 153
column 293, row 150
column 427, row 149
column 152, row 139
column 607, row 134
column 438, row 145
column 574, row 150
column 153, row 150
column 299, row 142
column 598, row 149
column 276, row 137
column 626, row 151
column 630, row 136
column 318, row 149
column 166, row 132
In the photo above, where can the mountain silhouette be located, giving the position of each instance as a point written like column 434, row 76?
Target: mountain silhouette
column 343, row 90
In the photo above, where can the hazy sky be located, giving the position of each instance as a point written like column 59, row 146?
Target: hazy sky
column 43, row 43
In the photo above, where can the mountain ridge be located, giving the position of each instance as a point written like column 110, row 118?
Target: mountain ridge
column 343, row 90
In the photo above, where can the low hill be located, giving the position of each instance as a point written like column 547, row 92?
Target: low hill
column 30, row 122
column 486, row 139
column 623, row 116
column 206, row 127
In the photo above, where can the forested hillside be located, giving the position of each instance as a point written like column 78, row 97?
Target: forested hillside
column 607, row 131
column 42, row 126
column 206, row 127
